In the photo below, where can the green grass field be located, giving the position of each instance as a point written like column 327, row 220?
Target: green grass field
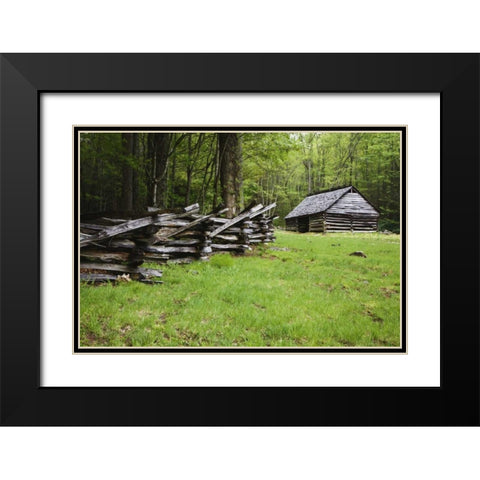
column 312, row 294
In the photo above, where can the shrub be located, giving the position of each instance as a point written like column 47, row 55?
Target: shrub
column 386, row 224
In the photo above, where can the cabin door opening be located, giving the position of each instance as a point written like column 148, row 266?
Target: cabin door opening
column 303, row 224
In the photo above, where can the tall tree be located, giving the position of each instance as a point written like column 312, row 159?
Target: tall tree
column 159, row 151
column 128, row 145
column 230, row 158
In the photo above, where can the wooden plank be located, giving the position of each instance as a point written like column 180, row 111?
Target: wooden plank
column 121, row 243
column 192, row 208
column 156, row 257
column 263, row 210
column 220, row 220
column 104, row 256
column 113, row 221
column 191, row 224
column 164, row 249
column 145, row 272
column 183, row 242
column 97, row 277
column 228, row 238
column 109, row 232
column 91, row 226
column 235, row 220
column 226, row 246
column 172, row 223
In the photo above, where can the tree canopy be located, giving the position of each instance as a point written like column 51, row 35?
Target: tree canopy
column 126, row 172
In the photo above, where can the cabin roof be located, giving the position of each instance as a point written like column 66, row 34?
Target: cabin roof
column 320, row 202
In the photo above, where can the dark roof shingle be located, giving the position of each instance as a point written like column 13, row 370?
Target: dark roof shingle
column 317, row 203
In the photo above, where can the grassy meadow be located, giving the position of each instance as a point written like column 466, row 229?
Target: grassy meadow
column 304, row 290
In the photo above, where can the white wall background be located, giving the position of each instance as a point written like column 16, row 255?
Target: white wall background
column 248, row 26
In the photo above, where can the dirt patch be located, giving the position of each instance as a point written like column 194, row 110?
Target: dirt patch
column 388, row 292
column 374, row 317
column 91, row 337
column 162, row 319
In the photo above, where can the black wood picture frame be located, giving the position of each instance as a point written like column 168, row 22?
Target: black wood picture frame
column 23, row 77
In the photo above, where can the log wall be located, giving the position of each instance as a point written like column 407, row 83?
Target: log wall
column 317, row 223
column 291, row 224
column 350, row 223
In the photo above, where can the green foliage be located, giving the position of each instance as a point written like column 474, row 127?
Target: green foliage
column 309, row 293
column 279, row 167
column 390, row 225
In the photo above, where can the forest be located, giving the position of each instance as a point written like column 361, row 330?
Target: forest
column 124, row 172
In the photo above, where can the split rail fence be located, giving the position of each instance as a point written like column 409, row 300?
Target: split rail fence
column 116, row 249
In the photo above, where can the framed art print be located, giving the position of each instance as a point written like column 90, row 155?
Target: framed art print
column 239, row 239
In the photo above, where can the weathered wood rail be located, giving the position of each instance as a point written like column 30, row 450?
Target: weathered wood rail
column 113, row 249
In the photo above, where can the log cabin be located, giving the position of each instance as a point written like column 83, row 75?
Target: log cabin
column 340, row 210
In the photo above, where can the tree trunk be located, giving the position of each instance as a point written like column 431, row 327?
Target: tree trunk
column 230, row 171
column 136, row 199
column 127, row 172
column 159, row 145
column 172, row 180
column 217, row 174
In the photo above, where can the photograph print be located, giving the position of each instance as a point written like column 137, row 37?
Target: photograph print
column 240, row 239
